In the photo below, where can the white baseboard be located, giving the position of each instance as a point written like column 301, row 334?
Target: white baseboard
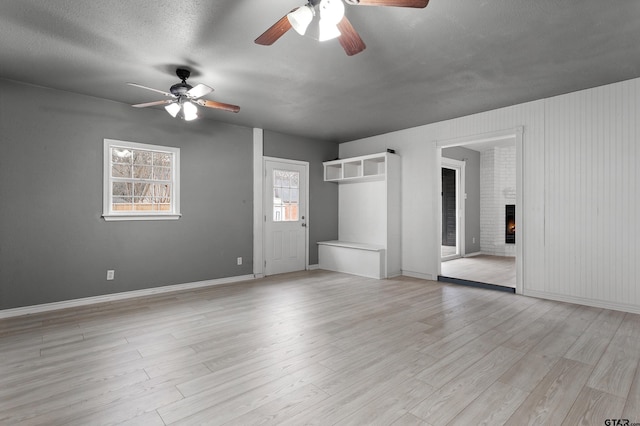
column 47, row 307
column 313, row 267
column 419, row 275
column 634, row 309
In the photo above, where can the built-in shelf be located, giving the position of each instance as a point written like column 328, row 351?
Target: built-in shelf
column 375, row 166
column 352, row 169
column 333, row 171
column 367, row 167
column 368, row 216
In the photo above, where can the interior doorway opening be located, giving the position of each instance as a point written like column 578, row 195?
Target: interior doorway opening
column 492, row 164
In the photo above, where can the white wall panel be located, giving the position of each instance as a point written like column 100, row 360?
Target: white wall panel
column 591, row 194
column 580, row 183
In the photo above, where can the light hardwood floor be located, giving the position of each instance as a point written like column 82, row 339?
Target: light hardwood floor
column 498, row 270
column 322, row 348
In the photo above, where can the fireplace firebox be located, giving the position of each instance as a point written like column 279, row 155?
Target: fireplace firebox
column 510, row 224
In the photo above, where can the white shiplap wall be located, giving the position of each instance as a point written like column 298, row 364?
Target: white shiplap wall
column 591, row 195
column 580, row 176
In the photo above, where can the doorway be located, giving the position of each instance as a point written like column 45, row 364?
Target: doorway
column 489, row 258
column 285, row 216
column 452, row 201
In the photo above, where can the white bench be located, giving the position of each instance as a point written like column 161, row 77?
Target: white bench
column 367, row 260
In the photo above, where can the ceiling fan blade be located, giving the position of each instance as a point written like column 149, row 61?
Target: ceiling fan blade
column 148, row 104
column 396, row 3
column 275, row 31
column 218, row 105
column 199, row 91
column 153, row 90
column 350, row 39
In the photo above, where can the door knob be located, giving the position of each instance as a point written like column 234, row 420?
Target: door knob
column 304, row 225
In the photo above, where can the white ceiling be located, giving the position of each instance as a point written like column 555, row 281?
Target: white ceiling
column 453, row 58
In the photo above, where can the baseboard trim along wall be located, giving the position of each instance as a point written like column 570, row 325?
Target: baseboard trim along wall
column 47, row 307
column 634, row 309
column 476, row 253
column 313, row 267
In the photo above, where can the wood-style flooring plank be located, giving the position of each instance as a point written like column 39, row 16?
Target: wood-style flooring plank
column 446, row 402
column 321, row 347
column 492, row 407
column 616, row 368
column 593, row 407
column 553, row 397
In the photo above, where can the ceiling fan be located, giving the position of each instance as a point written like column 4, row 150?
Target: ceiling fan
column 184, row 98
column 332, row 22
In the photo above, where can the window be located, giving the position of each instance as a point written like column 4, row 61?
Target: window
column 141, row 182
column 286, row 194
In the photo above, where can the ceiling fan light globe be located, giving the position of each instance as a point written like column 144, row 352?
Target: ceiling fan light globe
column 327, row 30
column 190, row 111
column 300, row 19
column 173, row 109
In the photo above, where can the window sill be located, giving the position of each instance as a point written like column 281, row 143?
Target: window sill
column 122, row 217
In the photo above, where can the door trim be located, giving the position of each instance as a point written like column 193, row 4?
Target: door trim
column 304, row 164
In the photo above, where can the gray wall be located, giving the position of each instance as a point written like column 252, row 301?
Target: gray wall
column 323, row 196
column 55, row 246
column 472, row 188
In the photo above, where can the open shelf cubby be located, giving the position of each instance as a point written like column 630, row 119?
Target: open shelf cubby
column 352, row 169
column 363, row 168
column 333, row 171
column 374, row 166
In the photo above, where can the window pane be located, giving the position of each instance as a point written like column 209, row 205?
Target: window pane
column 161, row 159
column 142, row 157
column 121, row 188
column 163, row 191
column 120, row 155
column 142, row 172
column 121, row 207
column 291, row 211
column 140, row 189
column 280, row 178
column 142, row 203
column 286, row 195
column 121, row 170
column 161, row 173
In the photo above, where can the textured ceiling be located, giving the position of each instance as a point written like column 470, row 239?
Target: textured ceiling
column 453, row 58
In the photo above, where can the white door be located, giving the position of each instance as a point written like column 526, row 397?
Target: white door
column 285, row 216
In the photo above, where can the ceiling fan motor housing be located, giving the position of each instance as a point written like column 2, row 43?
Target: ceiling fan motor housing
column 181, row 88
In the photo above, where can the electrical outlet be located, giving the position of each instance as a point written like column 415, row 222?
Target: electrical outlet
column 111, row 274
column 474, row 240
column 239, row 261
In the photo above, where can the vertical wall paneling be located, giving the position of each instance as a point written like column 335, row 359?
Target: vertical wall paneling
column 579, row 179
column 591, row 205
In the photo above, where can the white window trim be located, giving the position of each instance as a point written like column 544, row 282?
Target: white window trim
column 107, row 214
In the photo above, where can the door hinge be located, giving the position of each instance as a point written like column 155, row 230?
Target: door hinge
column 265, row 263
